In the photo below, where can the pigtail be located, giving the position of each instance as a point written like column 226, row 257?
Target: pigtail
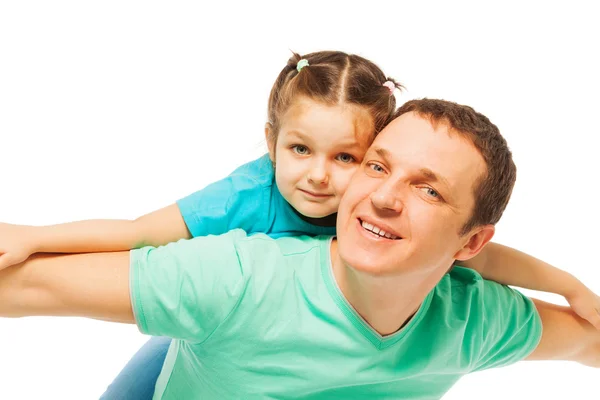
column 391, row 84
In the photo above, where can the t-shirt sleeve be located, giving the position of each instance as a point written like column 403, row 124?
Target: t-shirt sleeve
column 512, row 327
column 238, row 201
column 186, row 289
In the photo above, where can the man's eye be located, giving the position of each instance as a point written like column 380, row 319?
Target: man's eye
column 300, row 149
column 346, row 158
column 376, row 167
column 430, row 192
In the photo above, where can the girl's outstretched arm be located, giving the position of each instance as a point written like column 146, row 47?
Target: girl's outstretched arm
column 508, row 266
column 18, row 242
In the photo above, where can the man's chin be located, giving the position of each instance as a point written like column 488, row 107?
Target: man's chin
column 363, row 261
column 373, row 270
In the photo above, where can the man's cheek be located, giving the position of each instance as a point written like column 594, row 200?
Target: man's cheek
column 344, row 183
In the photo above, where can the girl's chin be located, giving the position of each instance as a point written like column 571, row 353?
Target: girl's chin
column 312, row 212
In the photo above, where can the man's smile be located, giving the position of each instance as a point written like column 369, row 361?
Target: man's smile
column 379, row 230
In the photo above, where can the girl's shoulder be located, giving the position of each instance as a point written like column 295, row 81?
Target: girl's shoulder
column 258, row 172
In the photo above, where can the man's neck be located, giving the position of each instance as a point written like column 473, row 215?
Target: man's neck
column 385, row 303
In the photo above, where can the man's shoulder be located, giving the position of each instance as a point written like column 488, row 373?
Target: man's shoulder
column 492, row 323
column 263, row 257
column 465, row 285
column 464, row 276
column 286, row 246
column 240, row 239
column 484, row 307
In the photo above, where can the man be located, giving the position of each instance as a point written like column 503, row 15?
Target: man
column 374, row 313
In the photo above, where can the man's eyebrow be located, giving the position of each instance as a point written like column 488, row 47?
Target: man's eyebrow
column 426, row 172
column 383, row 153
column 433, row 177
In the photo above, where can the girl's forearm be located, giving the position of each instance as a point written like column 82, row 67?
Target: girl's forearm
column 512, row 267
column 85, row 236
column 154, row 229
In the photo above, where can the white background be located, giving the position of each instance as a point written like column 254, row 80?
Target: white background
column 113, row 109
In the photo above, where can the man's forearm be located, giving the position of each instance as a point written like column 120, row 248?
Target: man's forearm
column 84, row 285
column 591, row 358
column 12, row 292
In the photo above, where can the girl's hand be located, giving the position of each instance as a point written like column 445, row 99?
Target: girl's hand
column 586, row 304
column 16, row 244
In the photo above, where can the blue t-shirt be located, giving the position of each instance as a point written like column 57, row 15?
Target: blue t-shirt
column 248, row 199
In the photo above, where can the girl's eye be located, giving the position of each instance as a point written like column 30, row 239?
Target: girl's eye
column 430, row 192
column 300, row 149
column 346, row 158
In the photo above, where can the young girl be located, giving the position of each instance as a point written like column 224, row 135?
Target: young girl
column 324, row 110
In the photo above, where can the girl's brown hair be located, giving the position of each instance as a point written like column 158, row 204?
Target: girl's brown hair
column 332, row 77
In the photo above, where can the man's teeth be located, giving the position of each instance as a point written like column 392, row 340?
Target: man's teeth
column 378, row 231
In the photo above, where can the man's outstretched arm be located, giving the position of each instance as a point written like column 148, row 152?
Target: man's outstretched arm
column 566, row 336
column 85, row 285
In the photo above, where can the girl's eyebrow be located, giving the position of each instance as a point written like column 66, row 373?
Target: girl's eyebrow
column 346, row 144
column 298, row 134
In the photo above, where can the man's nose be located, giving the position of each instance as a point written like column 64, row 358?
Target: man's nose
column 387, row 197
column 318, row 173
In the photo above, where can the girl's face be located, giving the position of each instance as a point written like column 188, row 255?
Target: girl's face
column 318, row 149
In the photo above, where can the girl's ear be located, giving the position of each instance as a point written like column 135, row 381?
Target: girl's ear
column 270, row 138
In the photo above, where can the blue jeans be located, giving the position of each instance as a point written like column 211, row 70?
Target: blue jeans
column 137, row 380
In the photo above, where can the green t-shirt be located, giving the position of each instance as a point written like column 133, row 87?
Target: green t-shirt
column 262, row 318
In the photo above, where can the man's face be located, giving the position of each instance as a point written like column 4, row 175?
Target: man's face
column 406, row 204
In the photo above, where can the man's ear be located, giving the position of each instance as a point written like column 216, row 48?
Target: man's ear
column 270, row 138
column 478, row 238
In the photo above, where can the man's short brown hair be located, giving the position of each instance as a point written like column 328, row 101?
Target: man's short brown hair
column 494, row 188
